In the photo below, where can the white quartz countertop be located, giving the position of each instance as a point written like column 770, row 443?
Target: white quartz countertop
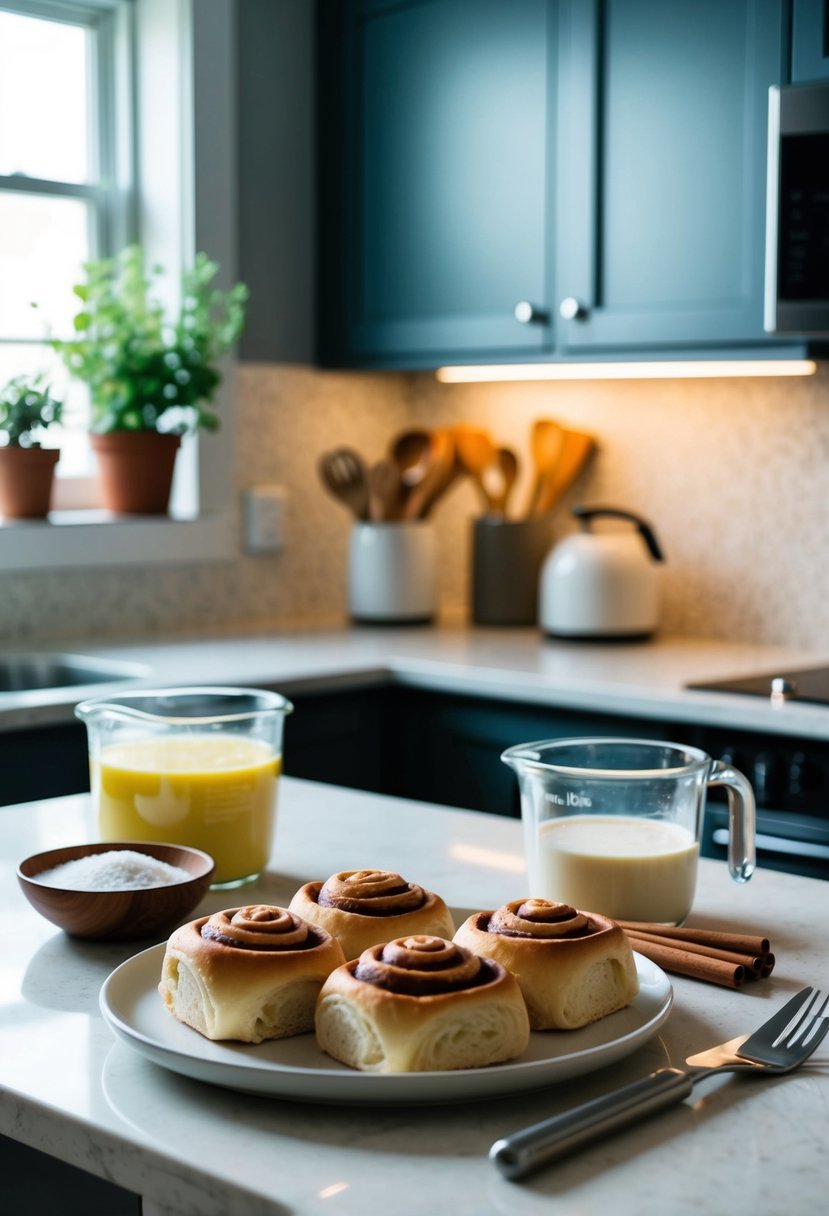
column 69, row 1088
column 646, row 679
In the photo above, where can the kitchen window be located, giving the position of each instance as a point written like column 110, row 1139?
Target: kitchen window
column 104, row 108
column 66, row 188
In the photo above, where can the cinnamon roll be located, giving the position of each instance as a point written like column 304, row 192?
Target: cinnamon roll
column 247, row 974
column 364, row 907
column 573, row 967
column 421, row 1003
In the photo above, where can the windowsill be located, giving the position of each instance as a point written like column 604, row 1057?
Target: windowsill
column 93, row 539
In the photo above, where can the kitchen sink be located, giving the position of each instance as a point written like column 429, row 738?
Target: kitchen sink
column 37, row 672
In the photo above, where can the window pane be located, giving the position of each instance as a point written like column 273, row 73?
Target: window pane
column 43, row 244
column 43, row 99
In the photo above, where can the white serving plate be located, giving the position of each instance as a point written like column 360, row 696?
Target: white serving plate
column 296, row 1068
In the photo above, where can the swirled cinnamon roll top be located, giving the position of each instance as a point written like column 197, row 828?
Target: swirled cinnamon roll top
column 247, row 974
column 421, row 965
column 371, row 893
column 539, row 918
column 420, row 1003
column 362, row 908
column 573, row 967
column 260, row 927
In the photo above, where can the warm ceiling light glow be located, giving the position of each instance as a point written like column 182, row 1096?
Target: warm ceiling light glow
column 675, row 370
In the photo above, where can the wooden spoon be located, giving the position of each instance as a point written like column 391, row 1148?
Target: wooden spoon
column 476, row 452
column 441, row 470
column 577, row 449
column 546, row 443
column 387, row 491
column 507, row 465
column 344, row 475
column 411, row 453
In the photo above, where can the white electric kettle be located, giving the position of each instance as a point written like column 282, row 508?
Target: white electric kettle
column 602, row 584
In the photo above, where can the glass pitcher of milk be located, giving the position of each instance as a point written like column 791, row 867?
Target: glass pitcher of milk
column 613, row 825
column 190, row 766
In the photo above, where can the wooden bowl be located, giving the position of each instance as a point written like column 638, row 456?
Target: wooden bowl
column 117, row 915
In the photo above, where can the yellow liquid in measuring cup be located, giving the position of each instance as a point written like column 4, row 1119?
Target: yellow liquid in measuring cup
column 621, row 866
column 212, row 792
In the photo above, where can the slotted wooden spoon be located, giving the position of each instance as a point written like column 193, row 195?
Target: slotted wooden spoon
column 344, row 475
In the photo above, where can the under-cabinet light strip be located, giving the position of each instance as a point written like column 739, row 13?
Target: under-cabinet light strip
column 675, row 370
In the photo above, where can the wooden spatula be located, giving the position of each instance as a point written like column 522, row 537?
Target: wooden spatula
column 476, row 452
column 546, row 443
column 576, row 451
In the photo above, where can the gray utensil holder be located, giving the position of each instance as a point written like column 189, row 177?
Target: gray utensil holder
column 507, row 555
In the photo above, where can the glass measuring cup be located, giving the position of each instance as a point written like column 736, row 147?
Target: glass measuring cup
column 190, row 766
column 613, row 825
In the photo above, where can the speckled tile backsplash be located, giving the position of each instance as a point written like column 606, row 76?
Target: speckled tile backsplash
column 733, row 475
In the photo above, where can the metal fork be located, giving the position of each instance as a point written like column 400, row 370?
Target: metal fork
column 780, row 1045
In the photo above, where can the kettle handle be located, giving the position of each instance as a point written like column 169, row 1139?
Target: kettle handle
column 586, row 514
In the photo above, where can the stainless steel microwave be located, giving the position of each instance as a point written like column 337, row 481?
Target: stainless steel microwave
column 797, row 211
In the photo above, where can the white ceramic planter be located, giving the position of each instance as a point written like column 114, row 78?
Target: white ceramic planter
column 392, row 572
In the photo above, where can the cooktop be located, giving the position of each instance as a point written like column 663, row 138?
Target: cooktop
column 809, row 684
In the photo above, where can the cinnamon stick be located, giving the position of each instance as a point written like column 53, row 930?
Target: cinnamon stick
column 751, row 962
column 695, row 966
column 742, row 942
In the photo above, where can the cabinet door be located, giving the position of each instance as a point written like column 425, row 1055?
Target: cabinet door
column 662, row 144
column 810, row 41
column 445, row 127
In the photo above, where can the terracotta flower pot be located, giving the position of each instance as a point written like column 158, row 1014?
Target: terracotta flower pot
column 135, row 470
column 26, row 478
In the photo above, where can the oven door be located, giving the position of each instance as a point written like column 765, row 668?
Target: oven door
column 797, row 212
column 797, row 844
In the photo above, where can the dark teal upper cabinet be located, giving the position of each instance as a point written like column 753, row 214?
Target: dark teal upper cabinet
column 601, row 162
column 662, row 171
column 443, row 108
column 810, row 41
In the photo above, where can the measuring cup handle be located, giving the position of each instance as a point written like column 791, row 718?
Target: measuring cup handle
column 741, row 819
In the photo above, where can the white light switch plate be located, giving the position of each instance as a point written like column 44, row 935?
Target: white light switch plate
column 264, row 519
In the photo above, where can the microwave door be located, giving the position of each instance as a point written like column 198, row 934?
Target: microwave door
column 797, row 212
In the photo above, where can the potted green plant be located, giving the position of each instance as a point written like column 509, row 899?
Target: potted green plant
column 27, row 469
column 151, row 378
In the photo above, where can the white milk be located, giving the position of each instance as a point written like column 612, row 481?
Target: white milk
column 623, row 867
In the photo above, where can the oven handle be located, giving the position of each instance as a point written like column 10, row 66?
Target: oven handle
column 777, row 844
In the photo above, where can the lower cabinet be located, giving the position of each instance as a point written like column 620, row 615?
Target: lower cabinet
column 338, row 738
column 36, row 1182
column 448, row 748
column 432, row 747
column 43, row 762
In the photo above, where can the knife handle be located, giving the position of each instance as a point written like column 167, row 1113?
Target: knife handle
column 529, row 1149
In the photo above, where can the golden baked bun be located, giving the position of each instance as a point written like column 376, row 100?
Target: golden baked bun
column 573, row 967
column 248, row 974
column 362, row 908
column 418, row 1004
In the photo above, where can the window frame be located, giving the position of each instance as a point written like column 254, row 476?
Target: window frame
column 185, row 200
column 113, row 98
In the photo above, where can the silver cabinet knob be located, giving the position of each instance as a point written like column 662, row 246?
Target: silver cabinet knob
column 571, row 310
column 531, row 314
